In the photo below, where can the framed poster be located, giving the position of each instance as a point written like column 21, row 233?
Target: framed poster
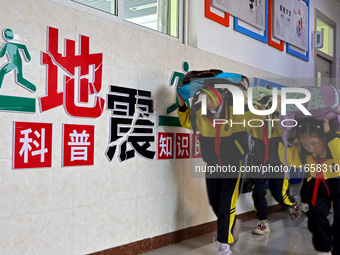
column 291, row 22
column 261, row 35
column 252, row 12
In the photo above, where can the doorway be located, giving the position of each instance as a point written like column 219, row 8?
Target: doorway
column 325, row 57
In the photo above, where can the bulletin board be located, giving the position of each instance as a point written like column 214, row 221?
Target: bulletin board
column 286, row 22
column 261, row 35
column 291, row 22
column 252, row 12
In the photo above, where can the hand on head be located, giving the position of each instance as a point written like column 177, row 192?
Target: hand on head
column 326, row 127
column 181, row 101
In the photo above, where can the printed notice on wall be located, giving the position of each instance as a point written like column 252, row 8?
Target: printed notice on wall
column 250, row 11
column 291, row 22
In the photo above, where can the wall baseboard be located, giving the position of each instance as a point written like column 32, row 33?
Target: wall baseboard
column 156, row 242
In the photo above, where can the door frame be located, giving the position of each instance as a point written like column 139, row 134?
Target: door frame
column 317, row 52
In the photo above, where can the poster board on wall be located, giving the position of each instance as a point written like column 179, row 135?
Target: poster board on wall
column 291, row 22
column 251, row 12
column 261, row 35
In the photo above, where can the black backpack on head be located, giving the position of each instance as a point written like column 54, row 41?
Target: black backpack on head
column 195, row 74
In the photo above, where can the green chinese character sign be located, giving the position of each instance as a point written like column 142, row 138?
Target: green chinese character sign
column 12, row 50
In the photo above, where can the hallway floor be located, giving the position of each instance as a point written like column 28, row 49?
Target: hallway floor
column 286, row 238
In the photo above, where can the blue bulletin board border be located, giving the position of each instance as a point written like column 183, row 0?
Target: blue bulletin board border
column 297, row 53
column 263, row 38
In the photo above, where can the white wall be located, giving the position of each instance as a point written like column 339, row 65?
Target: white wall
column 226, row 42
column 84, row 209
column 79, row 210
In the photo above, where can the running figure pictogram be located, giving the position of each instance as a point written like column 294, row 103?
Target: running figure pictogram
column 15, row 62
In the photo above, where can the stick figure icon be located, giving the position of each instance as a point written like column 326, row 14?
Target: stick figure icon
column 15, row 63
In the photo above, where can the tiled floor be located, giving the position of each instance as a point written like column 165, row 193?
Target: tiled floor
column 286, row 238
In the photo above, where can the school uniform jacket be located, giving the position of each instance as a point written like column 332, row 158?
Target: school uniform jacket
column 223, row 144
column 330, row 161
column 265, row 148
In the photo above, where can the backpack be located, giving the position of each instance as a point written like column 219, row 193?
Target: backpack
column 324, row 104
column 190, row 76
column 195, row 80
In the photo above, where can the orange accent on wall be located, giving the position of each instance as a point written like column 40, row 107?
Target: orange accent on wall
column 279, row 46
column 210, row 15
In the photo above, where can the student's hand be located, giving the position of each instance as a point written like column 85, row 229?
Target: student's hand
column 278, row 102
column 326, row 128
column 181, row 101
column 243, row 91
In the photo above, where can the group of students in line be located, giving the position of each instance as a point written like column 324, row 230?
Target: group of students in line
column 227, row 145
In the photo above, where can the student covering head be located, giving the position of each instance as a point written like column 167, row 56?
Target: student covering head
column 319, row 152
column 220, row 145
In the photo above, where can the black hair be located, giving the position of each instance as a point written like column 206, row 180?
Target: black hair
column 310, row 127
column 245, row 78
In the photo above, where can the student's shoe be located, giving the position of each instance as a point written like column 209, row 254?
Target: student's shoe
column 304, row 207
column 323, row 253
column 261, row 228
column 224, row 249
column 295, row 211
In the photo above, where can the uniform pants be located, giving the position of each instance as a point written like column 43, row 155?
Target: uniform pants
column 324, row 236
column 223, row 194
column 279, row 188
